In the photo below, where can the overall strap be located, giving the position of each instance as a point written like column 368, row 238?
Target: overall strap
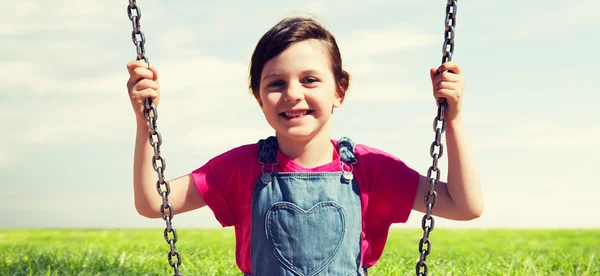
column 267, row 150
column 346, row 149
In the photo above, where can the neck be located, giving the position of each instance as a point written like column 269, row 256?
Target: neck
column 310, row 152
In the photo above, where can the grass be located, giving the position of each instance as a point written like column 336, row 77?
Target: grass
column 211, row 252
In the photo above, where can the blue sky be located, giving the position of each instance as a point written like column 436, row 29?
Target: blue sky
column 68, row 128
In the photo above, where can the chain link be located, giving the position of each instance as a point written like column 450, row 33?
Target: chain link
column 158, row 163
column 437, row 148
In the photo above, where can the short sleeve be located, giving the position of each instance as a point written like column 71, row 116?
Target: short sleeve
column 212, row 187
column 405, row 183
column 225, row 183
column 389, row 187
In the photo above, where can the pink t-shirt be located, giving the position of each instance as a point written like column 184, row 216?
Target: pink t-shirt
column 387, row 192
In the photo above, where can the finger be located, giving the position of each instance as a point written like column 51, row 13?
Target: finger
column 445, row 93
column 138, row 74
column 154, row 72
column 135, row 64
column 145, row 84
column 144, row 94
column 446, row 76
column 447, row 85
column 449, row 66
column 433, row 73
column 142, row 73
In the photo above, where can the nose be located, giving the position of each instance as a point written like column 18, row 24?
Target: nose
column 293, row 93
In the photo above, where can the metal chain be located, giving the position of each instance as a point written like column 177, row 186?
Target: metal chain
column 437, row 148
column 158, row 163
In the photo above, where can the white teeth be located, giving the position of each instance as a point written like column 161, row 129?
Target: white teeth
column 295, row 114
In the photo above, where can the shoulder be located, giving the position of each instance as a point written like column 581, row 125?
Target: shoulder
column 230, row 162
column 377, row 165
column 375, row 156
column 387, row 179
column 239, row 154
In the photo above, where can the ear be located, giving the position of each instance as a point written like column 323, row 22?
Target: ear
column 339, row 98
column 257, row 97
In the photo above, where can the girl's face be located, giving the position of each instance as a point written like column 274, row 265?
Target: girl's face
column 298, row 90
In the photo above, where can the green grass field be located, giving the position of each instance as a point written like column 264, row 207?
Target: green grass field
column 211, row 252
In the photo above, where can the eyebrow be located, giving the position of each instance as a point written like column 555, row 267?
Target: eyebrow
column 270, row 75
column 277, row 74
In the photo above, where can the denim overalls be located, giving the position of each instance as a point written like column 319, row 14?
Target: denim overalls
column 306, row 223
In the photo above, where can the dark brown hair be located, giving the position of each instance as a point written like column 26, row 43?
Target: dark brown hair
column 287, row 32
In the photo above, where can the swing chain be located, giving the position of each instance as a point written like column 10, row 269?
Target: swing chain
column 155, row 139
column 437, row 148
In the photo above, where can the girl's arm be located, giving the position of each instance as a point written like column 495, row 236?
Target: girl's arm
column 461, row 197
column 183, row 196
column 143, row 83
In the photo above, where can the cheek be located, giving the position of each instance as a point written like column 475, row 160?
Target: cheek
column 331, row 99
column 270, row 100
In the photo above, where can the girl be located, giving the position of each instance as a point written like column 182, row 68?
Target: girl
column 301, row 202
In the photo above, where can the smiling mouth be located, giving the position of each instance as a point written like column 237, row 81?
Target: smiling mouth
column 295, row 114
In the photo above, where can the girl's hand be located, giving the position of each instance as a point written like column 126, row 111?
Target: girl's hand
column 448, row 83
column 142, row 84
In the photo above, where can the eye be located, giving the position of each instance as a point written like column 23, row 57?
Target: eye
column 277, row 83
column 309, row 80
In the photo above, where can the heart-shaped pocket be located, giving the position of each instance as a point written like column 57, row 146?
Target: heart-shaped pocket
column 305, row 241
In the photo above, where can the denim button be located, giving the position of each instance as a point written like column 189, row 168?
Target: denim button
column 347, row 177
column 266, row 178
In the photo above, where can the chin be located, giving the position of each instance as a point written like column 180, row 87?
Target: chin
column 299, row 134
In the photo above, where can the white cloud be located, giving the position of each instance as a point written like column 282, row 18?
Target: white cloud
column 21, row 17
column 388, row 92
column 207, row 77
column 99, row 209
column 581, row 12
column 89, row 100
column 5, row 157
column 83, row 202
column 542, row 135
column 74, row 122
column 84, row 99
column 203, row 76
column 497, row 118
column 193, row 91
column 499, row 131
column 507, row 130
column 532, row 21
column 365, row 43
column 30, row 78
column 222, row 138
column 393, row 78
